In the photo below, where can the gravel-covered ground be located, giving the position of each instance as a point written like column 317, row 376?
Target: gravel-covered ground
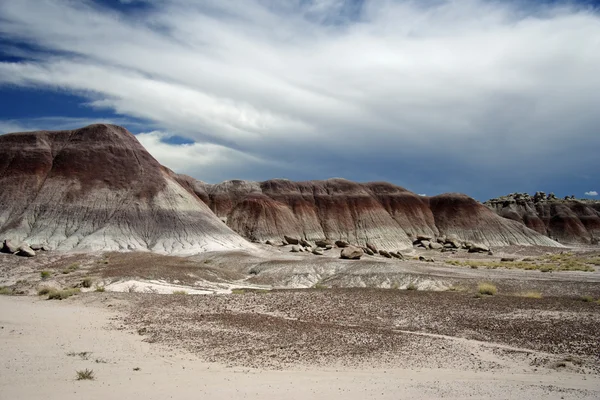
column 375, row 327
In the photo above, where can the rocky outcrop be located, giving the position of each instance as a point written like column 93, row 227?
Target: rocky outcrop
column 97, row 188
column 336, row 210
column 566, row 220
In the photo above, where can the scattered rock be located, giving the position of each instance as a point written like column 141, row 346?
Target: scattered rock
column 324, row 243
column 397, row 255
column 385, row 254
column 46, row 248
column 10, row 246
column 372, row 247
column 425, row 243
column 318, row 251
column 295, row 249
column 435, row 246
column 342, row 244
column 25, row 251
column 305, row 243
column 426, row 259
column 441, row 239
column 351, row 253
column 424, row 237
column 270, row 243
column 369, row 251
column 291, row 240
column 329, row 247
column 284, row 242
column 36, row 246
column 478, row 248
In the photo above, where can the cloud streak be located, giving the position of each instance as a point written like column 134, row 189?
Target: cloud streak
column 491, row 86
column 591, row 193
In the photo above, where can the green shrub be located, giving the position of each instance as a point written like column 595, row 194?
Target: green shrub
column 180, row 292
column 100, row 289
column 6, row 290
column 45, row 274
column 587, row 299
column 44, row 290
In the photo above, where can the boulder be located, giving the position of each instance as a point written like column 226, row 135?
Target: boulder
column 372, row 247
column 369, row 251
column 424, row 237
column 385, row 254
column 453, row 241
column 351, row 253
column 300, row 249
column 10, row 246
column 284, row 242
column 425, row 243
column 329, row 247
column 435, row 246
column 478, row 248
column 449, row 246
column 270, row 243
column 396, row 255
column 441, row 239
column 25, row 251
column 342, row 244
column 426, row 259
column 36, row 246
column 324, row 243
column 46, row 248
column 295, row 249
column 291, row 240
column 466, row 245
column 318, row 251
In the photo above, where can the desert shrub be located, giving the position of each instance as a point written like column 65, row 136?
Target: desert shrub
column 100, row 289
column 86, row 374
column 44, row 290
column 180, row 292
column 132, row 288
column 587, row 299
column 487, row 289
column 84, row 355
column 87, row 283
column 238, row 291
column 319, row 286
column 45, row 274
column 411, row 286
column 395, row 286
column 62, row 294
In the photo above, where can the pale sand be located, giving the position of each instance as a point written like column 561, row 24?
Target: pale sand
column 36, row 335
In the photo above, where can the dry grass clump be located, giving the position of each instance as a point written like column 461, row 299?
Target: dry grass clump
column 100, row 289
column 86, row 374
column 180, row 292
column 486, row 288
column 6, row 291
column 587, row 299
column 45, row 275
column 531, row 295
column 87, row 283
column 55, row 294
column 411, row 286
column 71, row 268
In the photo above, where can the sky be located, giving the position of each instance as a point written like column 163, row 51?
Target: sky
column 474, row 96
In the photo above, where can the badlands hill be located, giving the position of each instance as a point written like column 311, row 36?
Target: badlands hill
column 378, row 213
column 97, row 188
column 567, row 220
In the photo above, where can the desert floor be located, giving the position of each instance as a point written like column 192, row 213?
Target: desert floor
column 410, row 330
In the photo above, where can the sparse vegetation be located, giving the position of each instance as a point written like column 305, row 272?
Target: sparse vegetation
column 319, row 286
column 55, row 294
column 485, row 288
column 180, row 292
column 531, row 295
column 44, row 290
column 71, row 268
column 587, row 299
column 87, row 283
column 86, row 374
column 137, row 369
column 99, row 289
column 45, row 275
column 84, row 355
column 550, row 263
column 238, row 291
column 454, row 288
column 132, row 288
column 395, row 286
column 411, row 286
column 6, row 291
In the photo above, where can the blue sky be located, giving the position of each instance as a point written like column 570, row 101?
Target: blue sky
column 474, row 96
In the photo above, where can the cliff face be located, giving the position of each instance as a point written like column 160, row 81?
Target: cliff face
column 379, row 213
column 97, row 188
column 567, row 220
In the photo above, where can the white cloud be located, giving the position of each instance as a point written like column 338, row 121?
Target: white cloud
column 591, row 193
column 482, row 84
